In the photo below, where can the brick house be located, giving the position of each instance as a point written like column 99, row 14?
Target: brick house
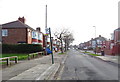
column 116, row 47
column 108, row 48
column 112, row 47
column 97, row 43
column 117, row 35
column 56, row 44
column 18, row 32
column 37, row 36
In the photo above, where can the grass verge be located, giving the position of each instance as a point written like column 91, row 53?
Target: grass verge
column 20, row 56
column 91, row 54
column 61, row 53
column 94, row 54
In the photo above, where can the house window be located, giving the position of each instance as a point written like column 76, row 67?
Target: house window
column 5, row 32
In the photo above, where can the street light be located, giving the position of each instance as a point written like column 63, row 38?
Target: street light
column 95, row 39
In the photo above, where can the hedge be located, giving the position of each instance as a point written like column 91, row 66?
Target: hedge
column 21, row 48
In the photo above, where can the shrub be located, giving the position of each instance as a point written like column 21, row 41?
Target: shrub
column 21, row 48
column 90, row 48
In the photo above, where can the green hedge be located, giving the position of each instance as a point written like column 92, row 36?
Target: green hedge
column 21, row 48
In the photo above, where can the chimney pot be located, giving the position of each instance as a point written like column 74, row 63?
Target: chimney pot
column 38, row 29
column 22, row 19
column 99, row 35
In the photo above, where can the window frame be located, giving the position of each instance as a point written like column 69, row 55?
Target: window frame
column 4, row 32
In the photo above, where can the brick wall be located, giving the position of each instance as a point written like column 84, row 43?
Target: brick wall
column 15, row 35
column 116, row 35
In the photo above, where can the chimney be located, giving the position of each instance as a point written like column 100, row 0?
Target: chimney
column 38, row 29
column 22, row 19
column 99, row 35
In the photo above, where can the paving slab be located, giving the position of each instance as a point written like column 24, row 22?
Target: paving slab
column 36, row 69
column 32, row 73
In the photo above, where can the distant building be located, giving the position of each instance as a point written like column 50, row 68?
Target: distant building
column 110, row 47
column 97, row 43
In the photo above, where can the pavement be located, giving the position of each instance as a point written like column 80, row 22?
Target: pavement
column 108, row 58
column 35, row 69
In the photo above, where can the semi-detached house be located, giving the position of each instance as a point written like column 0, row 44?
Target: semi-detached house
column 18, row 32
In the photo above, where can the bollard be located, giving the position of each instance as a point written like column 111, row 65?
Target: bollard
column 8, row 61
column 16, row 60
column 28, row 57
column 102, row 53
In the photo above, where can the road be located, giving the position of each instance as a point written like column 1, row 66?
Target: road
column 79, row 66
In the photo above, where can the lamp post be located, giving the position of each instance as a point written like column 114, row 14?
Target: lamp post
column 95, row 39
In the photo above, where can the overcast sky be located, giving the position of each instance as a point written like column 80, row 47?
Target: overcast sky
column 78, row 15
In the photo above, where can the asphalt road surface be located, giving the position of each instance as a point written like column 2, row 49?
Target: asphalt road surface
column 79, row 66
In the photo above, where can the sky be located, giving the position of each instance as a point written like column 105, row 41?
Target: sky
column 79, row 16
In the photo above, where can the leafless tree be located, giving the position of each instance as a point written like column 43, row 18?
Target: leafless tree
column 68, row 39
column 64, row 35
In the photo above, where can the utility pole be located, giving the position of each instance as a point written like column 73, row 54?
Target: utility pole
column 46, row 18
column 95, row 40
column 48, row 32
column 46, row 29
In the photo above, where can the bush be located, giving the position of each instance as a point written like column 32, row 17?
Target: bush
column 21, row 48
column 90, row 48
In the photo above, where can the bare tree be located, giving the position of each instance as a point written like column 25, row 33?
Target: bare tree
column 66, row 36
column 68, row 39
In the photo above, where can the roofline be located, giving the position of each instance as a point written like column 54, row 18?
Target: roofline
column 26, row 26
column 8, row 22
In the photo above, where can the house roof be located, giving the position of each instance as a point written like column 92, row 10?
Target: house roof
column 99, row 38
column 15, row 24
column 117, row 29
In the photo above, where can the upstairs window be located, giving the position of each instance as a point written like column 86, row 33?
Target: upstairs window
column 5, row 32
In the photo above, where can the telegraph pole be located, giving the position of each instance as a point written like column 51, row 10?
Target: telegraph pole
column 45, row 29
column 46, row 18
column 95, row 40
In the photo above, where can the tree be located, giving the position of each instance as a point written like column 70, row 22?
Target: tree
column 68, row 39
column 64, row 35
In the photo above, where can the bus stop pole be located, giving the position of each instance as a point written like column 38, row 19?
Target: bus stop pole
column 51, row 46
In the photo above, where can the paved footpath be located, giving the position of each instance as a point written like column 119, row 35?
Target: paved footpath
column 36, row 69
column 108, row 58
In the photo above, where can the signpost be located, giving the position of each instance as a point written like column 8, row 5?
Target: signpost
column 51, row 46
